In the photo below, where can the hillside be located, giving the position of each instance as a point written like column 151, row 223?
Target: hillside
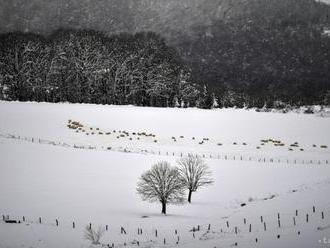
column 50, row 170
column 248, row 52
column 169, row 18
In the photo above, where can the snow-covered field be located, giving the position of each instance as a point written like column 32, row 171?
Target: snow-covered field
column 51, row 171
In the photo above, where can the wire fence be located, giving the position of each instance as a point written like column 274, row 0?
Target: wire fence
column 206, row 155
column 235, row 230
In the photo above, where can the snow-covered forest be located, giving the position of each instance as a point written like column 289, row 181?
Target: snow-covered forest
column 240, row 53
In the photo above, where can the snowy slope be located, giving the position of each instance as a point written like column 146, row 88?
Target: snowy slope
column 231, row 132
column 98, row 186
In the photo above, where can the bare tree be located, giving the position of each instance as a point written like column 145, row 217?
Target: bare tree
column 161, row 183
column 194, row 173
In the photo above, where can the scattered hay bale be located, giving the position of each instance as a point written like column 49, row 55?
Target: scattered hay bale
column 301, row 149
column 258, row 147
column 219, row 144
column 155, row 141
column 244, row 144
column 234, row 143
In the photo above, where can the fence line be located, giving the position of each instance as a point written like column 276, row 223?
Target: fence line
column 218, row 156
column 274, row 223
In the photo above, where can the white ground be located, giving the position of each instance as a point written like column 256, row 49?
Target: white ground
column 98, row 185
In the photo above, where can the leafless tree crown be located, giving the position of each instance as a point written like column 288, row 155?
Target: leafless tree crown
column 161, row 183
column 194, row 172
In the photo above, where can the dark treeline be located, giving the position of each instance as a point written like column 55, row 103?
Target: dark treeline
column 251, row 53
column 88, row 67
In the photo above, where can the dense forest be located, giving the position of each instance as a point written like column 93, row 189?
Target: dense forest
column 244, row 53
column 88, row 67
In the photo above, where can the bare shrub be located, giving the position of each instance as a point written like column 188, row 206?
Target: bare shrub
column 93, row 235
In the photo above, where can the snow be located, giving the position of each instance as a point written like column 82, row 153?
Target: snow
column 98, row 185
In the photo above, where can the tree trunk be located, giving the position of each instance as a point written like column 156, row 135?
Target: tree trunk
column 189, row 196
column 163, row 207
